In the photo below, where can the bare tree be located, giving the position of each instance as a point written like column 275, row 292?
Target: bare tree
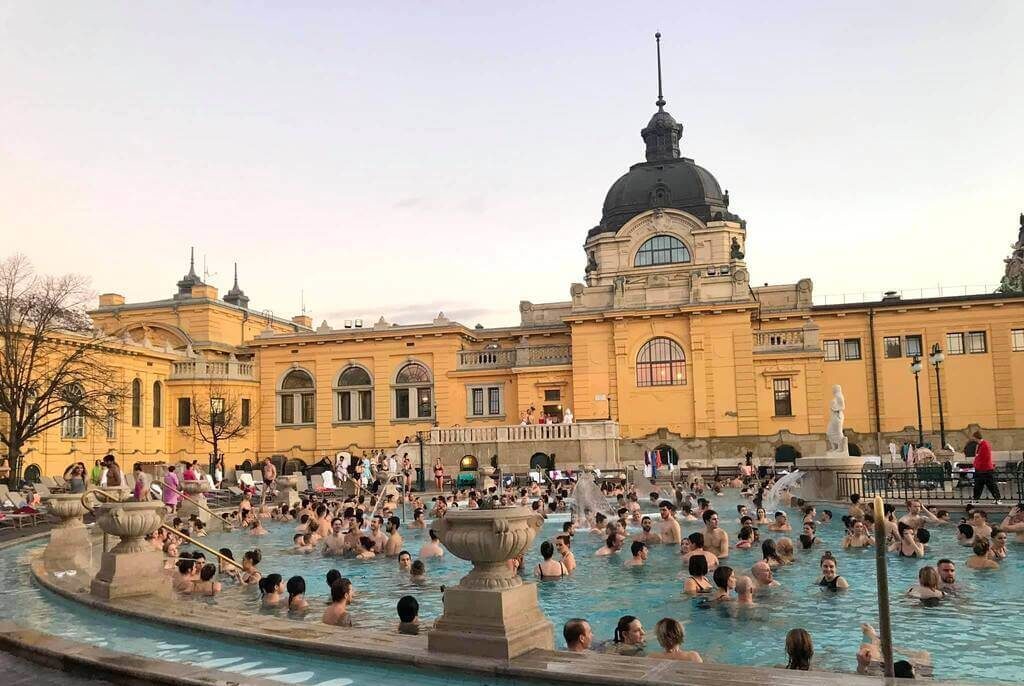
column 55, row 367
column 217, row 416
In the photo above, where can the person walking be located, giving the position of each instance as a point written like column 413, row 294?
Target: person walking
column 984, row 470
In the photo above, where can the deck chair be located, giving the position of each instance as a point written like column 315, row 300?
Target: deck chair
column 317, row 482
column 42, row 489
column 303, row 485
column 328, row 478
column 50, row 483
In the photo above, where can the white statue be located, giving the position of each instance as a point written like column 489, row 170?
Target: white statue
column 834, row 438
column 567, row 416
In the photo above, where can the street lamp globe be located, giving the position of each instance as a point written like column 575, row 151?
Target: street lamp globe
column 916, row 366
column 937, row 355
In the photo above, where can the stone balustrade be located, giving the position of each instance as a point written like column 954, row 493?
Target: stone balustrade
column 804, row 339
column 520, row 356
column 205, row 369
column 529, row 432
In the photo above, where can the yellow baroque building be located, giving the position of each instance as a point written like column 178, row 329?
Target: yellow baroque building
column 664, row 345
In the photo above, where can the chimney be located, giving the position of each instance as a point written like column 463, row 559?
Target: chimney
column 111, row 299
column 303, row 320
column 204, row 291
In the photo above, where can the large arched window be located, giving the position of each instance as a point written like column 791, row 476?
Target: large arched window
column 73, row 425
column 353, row 395
column 157, row 404
column 414, row 392
column 660, row 362
column 137, row 402
column 661, row 250
column 297, row 398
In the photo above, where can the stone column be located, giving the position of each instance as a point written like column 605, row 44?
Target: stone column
column 195, row 489
column 69, row 546
column 132, row 567
column 492, row 612
column 289, row 491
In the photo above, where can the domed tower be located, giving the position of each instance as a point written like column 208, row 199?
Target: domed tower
column 666, row 234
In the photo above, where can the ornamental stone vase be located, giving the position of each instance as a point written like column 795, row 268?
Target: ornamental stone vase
column 288, row 487
column 132, row 567
column 196, row 503
column 492, row 612
column 69, row 546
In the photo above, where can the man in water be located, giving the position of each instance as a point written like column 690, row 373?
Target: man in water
column 856, row 509
column 639, row 550
column 334, row 542
column 763, row 576
column 646, row 535
column 745, row 590
column 781, row 522
column 432, row 548
column 336, row 613
column 378, row 537
column 404, row 561
column 578, row 635
column 670, row 531
column 612, row 545
column 979, row 520
column 858, row 537
column 917, row 515
column 562, row 545
column 947, row 577
column 716, row 540
column 393, row 544
column 1014, row 522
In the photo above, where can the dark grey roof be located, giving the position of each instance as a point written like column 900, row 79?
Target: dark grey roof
column 901, row 302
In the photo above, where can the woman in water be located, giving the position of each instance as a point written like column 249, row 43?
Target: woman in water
column 745, row 538
column 858, row 536
column 761, row 516
column 981, row 559
column 297, row 594
column 997, row 551
column 927, row 586
column 784, row 546
column 725, row 580
column 548, row 569
column 250, row 575
column 907, row 545
column 800, row 650
column 697, row 583
column 206, row 585
column 271, row 588
column 227, row 568
column 830, row 579
column 629, row 637
column 671, row 635
column 771, row 554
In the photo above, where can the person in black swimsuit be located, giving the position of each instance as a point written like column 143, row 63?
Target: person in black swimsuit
column 830, row 579
column 548, row 569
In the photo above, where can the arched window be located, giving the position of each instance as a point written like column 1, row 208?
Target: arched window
column 414, row 392
column 661, row 250
column 297, row 398
column 660, row 362
column 73, row 425
column 137, row 402
column 157, row 402
column 354, row 395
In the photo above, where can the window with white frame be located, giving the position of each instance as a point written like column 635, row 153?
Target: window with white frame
column 976, row 342
column 354, row 395
column 661, row 250
column 413, row 392
column 73, row 425
column 851, row 348
column 1017, row 340
column 296, row 398
column 893, row 346
column 954, row 344
column 913, row 346
column 111, row 424
column 486, row 401
column 832, row 351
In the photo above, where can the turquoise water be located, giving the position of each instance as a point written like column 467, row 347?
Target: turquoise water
column 974, row 636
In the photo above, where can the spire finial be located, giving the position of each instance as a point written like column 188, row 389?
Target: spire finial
column 192, row 263
column 236, row 275
column 661, row 99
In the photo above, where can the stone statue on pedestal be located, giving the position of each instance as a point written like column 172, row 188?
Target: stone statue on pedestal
column 834, row 438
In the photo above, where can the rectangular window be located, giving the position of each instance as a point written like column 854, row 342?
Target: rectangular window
column 217, row 411
column 73, row 425
column 246, row 412
column 552, row 395
column 783, row 399
column 424, row 405
column 485, row 401
column 307, row 408
column 913, row 346
column 111, row 425
column 955, row 343
column 976, row 342
column 345, row 406
column 478, row 402
column 851, row 348
column 832, row 351
column 494, row 400
column 402, row 403
column 892, row 346
column 184, row 411
column 287, row 409
column 1017, row 340
column 365, row 405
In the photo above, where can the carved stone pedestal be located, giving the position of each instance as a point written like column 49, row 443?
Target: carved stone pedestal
column 69, row 546
column 820, row 476
column 195, row 491
column 492, row 612
column 132, row 567
column 288, row 492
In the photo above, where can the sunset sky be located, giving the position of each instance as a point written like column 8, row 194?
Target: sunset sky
column 403, row 158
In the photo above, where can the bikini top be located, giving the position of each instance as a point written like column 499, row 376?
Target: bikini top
column 546, row 577
column 701, row 589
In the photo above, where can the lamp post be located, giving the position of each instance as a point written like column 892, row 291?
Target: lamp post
column 916, row 367
column 936, row 359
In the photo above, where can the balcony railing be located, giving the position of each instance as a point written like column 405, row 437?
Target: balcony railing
column 520, row 356
column 531, row 432
column 204, row 369
column 786, row 340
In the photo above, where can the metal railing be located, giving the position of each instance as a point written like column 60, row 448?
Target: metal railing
column 927, row 483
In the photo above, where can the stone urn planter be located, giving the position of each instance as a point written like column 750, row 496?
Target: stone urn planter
column 492, row 612
column 288, row 487
column 69, row 546
column 132, row 567
column 196, row 503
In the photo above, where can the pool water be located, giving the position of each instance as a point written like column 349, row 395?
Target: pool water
column 974, row 636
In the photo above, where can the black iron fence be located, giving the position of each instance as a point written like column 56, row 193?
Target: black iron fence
column 927, row 482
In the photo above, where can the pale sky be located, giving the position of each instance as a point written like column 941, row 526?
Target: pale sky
column 402, row 158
